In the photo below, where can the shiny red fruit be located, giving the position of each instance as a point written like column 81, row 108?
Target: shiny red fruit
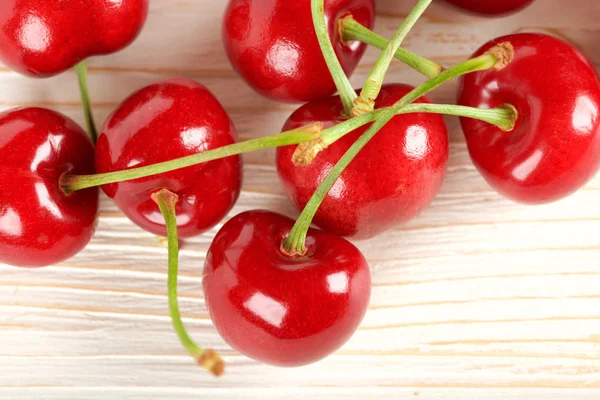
column 164, row 121
column 43, row 38
column 392, row 180
column 39, row 224
column 491, row 7
column 273, row 46
column 279, row 310
column 555, row 147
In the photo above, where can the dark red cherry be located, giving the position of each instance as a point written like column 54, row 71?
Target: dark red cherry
column 43, row 38
column 491, row 7
column 167, row 120
column 393, row 179
column 39, row 224
column 273, row 46
column 555, row 147
column 279, row 310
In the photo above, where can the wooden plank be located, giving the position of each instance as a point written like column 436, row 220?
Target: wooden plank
column 478, row 298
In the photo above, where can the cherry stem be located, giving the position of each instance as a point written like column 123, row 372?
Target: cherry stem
column 209, row 359
column 496, row 58
column 82, row 77
column 504, row 117
column 342, row 83
column 366, row 101
column 350, row 30
column 71, row 183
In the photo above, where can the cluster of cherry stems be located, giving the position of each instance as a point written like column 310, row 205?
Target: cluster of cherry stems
column 357, row 164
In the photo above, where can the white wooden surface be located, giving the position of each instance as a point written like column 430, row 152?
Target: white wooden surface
column 478, row 298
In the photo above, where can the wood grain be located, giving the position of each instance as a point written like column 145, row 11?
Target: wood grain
column 477, row 298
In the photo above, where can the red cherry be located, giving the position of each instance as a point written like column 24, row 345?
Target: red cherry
column 279, row 310
column 273, row 45
column 43, row 38
column 393, row 179
column 555, row 146
column 39, row 224
column 167, row 120
column 491, row 7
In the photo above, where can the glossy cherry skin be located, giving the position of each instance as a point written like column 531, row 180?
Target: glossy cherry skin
column 42, row 38
column 164, row 121
column 555, row 147
column 279, row 310
column 273, row 46
column 391, row 181
column 39, row 224
column 491, row 7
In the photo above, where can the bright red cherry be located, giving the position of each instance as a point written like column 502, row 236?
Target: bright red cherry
column 273, row 45
column 491, row 7
column 43, row 38
column 167, row 120
column 555, row 146
column 39, row 224
column 392, row 180
column 279, row 310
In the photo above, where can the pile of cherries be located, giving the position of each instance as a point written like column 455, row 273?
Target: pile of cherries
column 357, row 164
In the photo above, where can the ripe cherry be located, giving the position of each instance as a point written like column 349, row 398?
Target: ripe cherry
column 278, row 309
column 44, row 38
column 393, row 179
column 39, row 224
column 164, row 121
column 555, row 146
column 491, row 7
column 273, row 45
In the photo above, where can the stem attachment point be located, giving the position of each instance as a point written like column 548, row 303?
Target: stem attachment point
column 504, row 53
column 306, row 152
column 513, row 116
column 293, row 252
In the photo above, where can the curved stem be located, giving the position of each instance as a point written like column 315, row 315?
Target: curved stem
column 350, row 30
column 366, row 101
column 86, row 103
column 342, row 83
column 71, row 183
column 504, row 116
column 209, row 359
column 496, row 58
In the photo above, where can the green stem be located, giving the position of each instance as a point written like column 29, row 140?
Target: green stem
column 366, row 101
column 71, row 183
column 344, row 87
column 209, row 359
column 350, row 30
column 86, row 103
column 496, row 58
column 504, row 116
